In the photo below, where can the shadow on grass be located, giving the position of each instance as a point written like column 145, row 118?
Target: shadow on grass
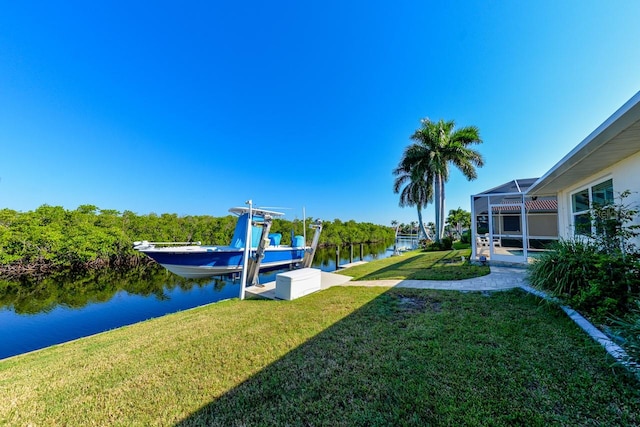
column 419, row 357
column 439, row 265
column 403, row 265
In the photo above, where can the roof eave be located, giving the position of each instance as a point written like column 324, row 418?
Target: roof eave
column 624, row 118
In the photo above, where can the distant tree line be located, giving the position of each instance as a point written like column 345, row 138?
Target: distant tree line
column 456, row 223
column 52, row 238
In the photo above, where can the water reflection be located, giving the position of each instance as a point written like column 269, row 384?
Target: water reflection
column 31, row 296
column 325, row 258
column 39, row 313
column 52, row 311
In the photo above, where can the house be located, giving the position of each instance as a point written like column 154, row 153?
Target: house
column 603, row 165
column 508, row 225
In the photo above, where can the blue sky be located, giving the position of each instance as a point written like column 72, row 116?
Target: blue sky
column 195, row 107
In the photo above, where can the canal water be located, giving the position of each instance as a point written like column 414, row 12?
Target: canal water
column 35, row 315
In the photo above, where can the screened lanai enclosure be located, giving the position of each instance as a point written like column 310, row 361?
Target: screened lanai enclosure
column 509, row 226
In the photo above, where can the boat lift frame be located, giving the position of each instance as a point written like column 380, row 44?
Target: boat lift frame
column 311, row 252
column 251, row 262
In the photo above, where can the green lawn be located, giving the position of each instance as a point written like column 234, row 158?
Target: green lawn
column 346, row 356
column 419, row 265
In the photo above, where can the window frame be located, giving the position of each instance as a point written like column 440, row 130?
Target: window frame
column 580, row 226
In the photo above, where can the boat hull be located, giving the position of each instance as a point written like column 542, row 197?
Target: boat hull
column 204, row 262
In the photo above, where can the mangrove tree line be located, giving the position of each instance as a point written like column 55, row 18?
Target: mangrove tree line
column 52, row 238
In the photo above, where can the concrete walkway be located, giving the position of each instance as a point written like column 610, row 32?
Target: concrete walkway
column 500, row 278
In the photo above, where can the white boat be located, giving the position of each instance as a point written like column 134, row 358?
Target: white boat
column 193, row 260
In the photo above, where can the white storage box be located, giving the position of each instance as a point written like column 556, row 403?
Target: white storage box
column 297, row 283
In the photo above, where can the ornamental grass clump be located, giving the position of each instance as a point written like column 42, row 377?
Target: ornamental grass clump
column 629, row 329
column 566, row 268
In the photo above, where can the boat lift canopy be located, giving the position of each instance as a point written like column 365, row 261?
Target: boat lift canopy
column 256, row 212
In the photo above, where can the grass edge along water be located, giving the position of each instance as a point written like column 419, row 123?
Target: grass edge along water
column 398, row 356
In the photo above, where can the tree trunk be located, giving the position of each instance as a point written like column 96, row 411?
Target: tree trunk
column 442, row 207
column 436, row 199
column 439, row 202
column 424, row 230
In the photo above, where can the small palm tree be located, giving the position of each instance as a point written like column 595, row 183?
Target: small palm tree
column 395, row 225
column 415, row 188
column 459, row 219
column 430, row 228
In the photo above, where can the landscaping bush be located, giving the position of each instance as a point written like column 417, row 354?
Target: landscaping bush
column 590, row 280
column 446, row 243
column 598, row 274
column 565, row 269
column 433, row 246
column 425, row 243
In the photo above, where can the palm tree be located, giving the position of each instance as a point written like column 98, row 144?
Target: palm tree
column 395, row 226
column 415, row 188
column 459, row 219
column 431, row 228
column 436, row 145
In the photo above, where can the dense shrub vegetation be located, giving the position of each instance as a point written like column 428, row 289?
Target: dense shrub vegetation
column 587, row 278
column 445, row 244
column 598, row 273
column 53, row 238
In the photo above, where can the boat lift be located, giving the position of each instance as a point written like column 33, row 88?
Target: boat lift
column 253, row 264
column 253, row 258
column 311, row 252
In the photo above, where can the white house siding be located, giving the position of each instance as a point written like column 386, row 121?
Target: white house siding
column 625, row 175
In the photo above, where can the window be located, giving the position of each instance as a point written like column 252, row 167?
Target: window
column 583, row 200
column 603, row 193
